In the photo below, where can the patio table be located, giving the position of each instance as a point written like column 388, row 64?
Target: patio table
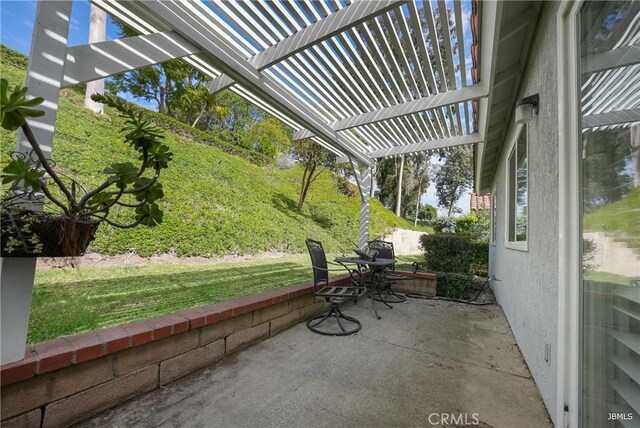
column 377, row 266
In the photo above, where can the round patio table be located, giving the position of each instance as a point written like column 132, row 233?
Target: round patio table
column 376, row 266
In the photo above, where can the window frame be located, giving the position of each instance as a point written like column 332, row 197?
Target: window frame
column 493, row 237
column 515, row 245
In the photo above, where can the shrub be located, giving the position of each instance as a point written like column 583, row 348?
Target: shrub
column 174, row 126
column 454, row 252
column 453, row 285
column 475, row 225
column 345, row 187
column 479, row 254
column 446, row 252
column 444, row 224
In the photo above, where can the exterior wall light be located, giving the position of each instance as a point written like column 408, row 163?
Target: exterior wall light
column 526, row 108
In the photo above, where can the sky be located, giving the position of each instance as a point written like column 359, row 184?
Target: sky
column 16, row 26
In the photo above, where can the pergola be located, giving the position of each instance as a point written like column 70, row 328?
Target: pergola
column 364, row 79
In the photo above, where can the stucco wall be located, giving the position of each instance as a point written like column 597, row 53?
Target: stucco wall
column 405, row 241
column 526, row 283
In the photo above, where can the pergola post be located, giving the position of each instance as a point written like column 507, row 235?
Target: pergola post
column 97, row 33
column 44, row 74
column 365, row 185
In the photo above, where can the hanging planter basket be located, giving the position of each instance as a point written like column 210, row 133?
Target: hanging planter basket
column 31, row 234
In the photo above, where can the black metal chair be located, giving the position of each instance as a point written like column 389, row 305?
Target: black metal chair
column 335, row 295
column 386, row 294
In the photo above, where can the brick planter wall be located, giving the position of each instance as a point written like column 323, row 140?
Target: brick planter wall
column 74, row 377
column 423, row 283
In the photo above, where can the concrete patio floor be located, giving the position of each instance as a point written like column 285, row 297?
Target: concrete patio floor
column 422, row 362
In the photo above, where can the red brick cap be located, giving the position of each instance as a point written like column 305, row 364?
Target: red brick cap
column 68, row 350
column 421, row 275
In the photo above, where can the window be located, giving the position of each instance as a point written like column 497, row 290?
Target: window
column 609, row 198
column 517, row 187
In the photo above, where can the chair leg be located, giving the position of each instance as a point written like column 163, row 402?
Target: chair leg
column 320, row 319
column 334, row 312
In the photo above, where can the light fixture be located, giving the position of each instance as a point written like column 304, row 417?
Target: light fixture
column 526, row 108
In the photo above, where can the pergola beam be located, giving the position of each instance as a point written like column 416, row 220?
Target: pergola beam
column 615, row 58
column 347, row 17
column 94, row 61
column 611, row 118
column 429, row 102
column 427, row 145
column 239, row 69
column 489, row 40
column 220, row 83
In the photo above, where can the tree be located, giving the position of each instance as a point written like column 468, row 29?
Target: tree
column 387, row 174
column 97, row 33
column 192, row 105
column 453, row 177
column 427, row 212
column 165, row 84
column 421, row 165
column 607, row 170
column 315, row 159
column 269, row 137
column 232, row 116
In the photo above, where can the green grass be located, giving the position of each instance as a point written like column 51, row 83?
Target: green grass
column 216, row 202
column 69, row 301
column 620, row 218
column 609, row 278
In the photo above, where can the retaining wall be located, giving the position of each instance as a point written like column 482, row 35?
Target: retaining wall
column 405, row 242
column 72, row 378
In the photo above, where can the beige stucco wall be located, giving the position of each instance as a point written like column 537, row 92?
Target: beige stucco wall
column 526, row 284
column 405, row 242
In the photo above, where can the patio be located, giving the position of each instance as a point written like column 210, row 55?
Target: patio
column 421, row 363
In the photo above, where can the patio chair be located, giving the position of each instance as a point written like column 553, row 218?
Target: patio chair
column 335, row 295
column 386, row 294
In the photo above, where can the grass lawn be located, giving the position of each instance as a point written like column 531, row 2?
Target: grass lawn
column 609, row 278
column 69, row 301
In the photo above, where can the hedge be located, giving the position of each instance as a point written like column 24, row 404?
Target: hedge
column 452, row 252
column 453, row 285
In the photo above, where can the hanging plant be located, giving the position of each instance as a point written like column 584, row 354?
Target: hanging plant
column 31, row 180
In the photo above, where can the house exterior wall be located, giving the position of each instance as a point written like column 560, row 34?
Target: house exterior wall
column 526, row 284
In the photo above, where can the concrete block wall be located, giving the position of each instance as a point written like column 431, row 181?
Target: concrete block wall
column 69, row 379
column 423, row 284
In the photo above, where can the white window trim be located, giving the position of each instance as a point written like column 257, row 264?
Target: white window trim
column 569, row 309
column 493, row 218
column 515, row 245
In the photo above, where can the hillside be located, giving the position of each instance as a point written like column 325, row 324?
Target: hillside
column 219, row 198
column 621, row 219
